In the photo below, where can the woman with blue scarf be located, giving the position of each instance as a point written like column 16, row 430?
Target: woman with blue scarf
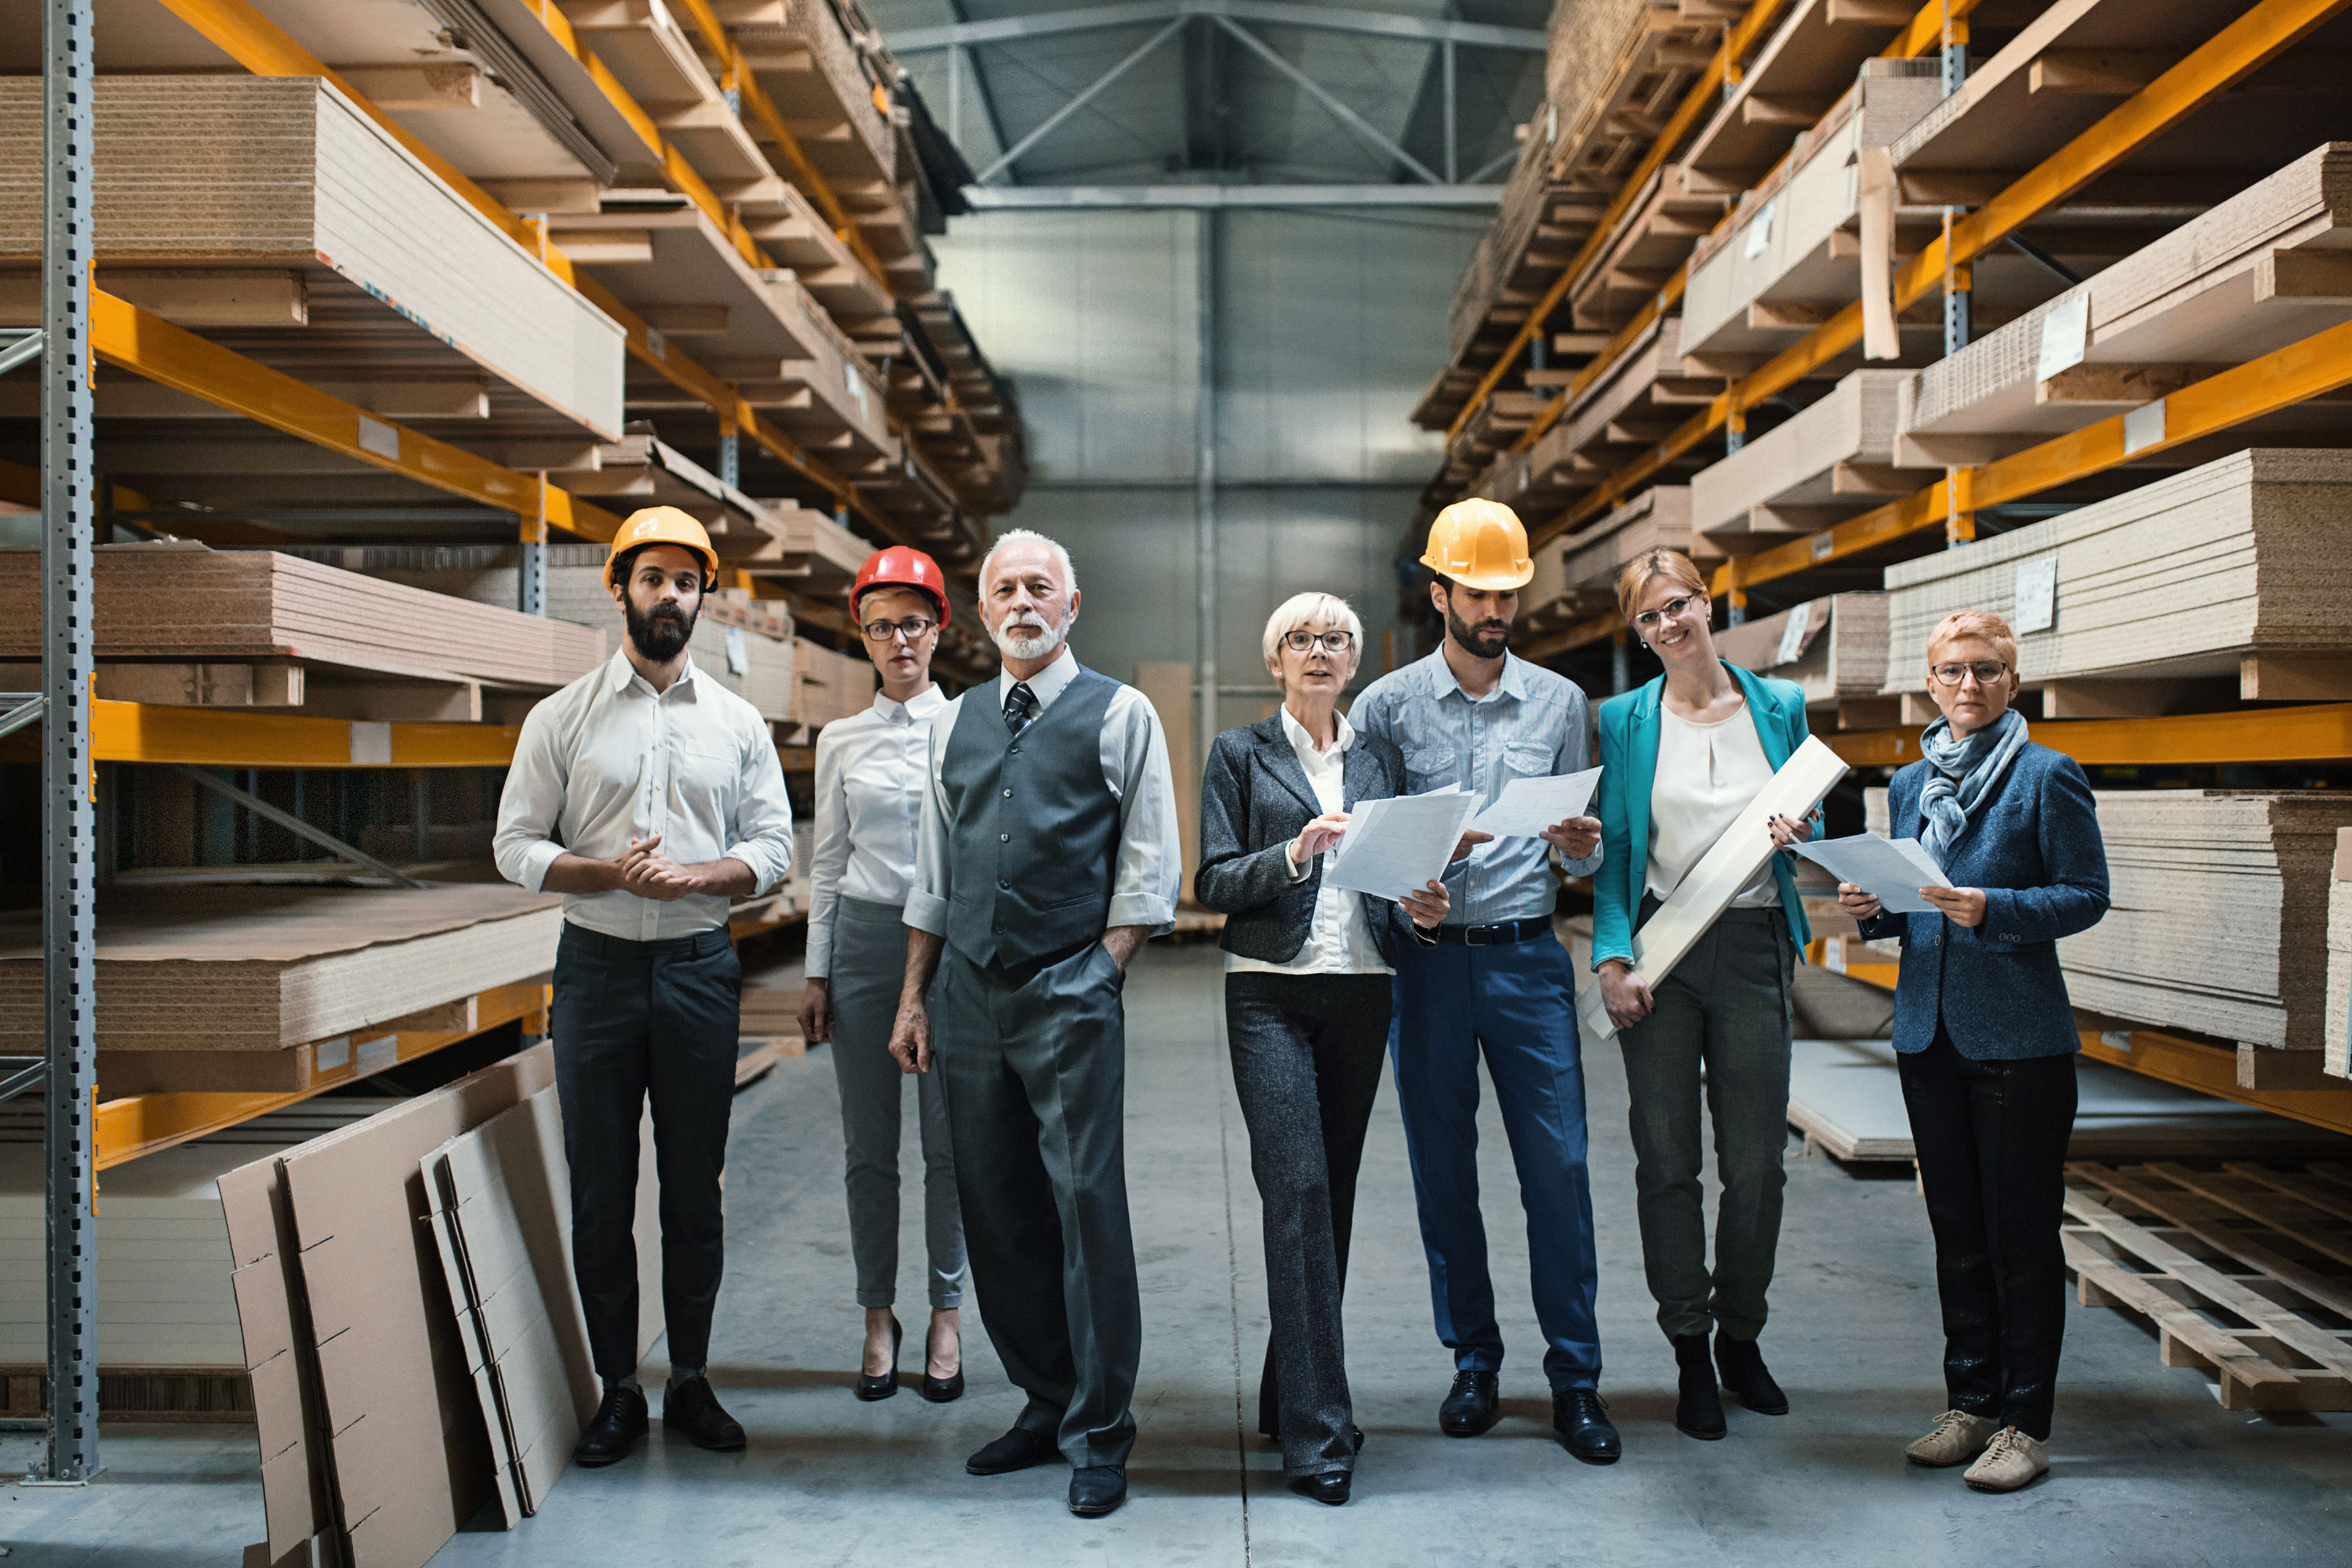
column 1986, row 1040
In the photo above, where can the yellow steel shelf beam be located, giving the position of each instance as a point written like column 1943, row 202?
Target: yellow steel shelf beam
column 2319, row 733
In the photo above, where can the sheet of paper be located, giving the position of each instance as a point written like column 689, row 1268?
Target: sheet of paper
column 2065, row 333
column 1394, row 845
column 1528, row 806
column 1893, row 869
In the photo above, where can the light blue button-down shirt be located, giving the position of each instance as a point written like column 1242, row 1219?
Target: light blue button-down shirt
column 1534, row 723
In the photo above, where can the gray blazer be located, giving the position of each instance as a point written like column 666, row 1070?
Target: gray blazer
column 1254, row 798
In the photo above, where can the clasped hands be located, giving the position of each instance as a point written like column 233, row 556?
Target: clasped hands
column 645, row 871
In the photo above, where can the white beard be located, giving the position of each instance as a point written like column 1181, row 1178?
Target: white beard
column 1038, row 643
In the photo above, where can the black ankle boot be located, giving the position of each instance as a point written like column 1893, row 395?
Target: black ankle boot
column 1698, row 1409
column 1744, row 1373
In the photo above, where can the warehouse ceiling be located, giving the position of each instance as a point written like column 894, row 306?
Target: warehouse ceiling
column 1207, row 98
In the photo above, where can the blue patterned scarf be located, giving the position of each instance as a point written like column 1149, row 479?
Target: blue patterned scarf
column 1962, row 776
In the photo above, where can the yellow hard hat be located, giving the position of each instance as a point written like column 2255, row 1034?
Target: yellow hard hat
column 1479, row 544
column 662, row 525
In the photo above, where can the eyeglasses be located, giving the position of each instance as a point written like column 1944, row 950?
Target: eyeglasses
column 912, row 628
column 1986, row 671
column 1333, row 642
column 1671, row 610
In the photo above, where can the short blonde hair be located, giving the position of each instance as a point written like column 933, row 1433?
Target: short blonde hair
column 1301, row 609
column 1982, row 624
column 1650, row 563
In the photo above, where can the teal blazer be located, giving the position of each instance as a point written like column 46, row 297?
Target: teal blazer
column 1628, row 764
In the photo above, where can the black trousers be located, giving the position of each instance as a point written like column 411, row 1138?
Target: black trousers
column 1990, row 1138
column 1307, row 1052
column 634, row 1019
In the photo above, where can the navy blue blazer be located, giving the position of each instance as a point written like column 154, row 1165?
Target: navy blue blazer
column 2035, row 850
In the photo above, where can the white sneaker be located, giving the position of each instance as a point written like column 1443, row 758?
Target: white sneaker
column 1957, row 1438
column 2011, row 1460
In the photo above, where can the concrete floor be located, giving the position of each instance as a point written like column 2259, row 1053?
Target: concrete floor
column 2150, row 1471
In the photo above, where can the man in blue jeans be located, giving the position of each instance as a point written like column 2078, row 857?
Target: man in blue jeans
column 1497, row 982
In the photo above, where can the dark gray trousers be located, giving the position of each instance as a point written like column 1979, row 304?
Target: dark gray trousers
column 1034, row 1064
column 869, row 965
column 1307, row 1052
column 1725, row 1010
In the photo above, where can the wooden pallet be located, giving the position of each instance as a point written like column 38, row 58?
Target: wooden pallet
column 2244, row 1272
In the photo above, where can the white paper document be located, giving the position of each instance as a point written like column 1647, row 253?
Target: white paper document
column 1528, row 806
column 1394, row 845
column 1893, row 869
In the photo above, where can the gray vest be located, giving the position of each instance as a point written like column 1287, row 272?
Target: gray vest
column 1033, row 831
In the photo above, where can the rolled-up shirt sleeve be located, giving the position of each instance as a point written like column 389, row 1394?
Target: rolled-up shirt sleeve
column 1575, row 757
column 530, row 804
column 927, row 903
column 1150, row 872
column 762, row 839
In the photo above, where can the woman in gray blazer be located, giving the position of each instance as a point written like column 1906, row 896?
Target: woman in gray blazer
column 1986, row 1040
column 1307, row 1007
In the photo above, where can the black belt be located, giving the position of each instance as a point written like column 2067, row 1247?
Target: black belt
column 1496, row 934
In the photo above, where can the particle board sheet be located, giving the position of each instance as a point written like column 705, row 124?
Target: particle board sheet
column 1846, row 1098
column 1796, row 77
column 2270, row 267
column 2219, row 921
column 263, row 968
column 1644, row 396
column 2243, row 554
column 815, row 550
column 1833, row 458
column 1658, row 518
column 185, row 601
column 2340, row 957
column 671, row 265
column 286, row 172
column 830, row 685
column 1840, row 651
column 804, row 54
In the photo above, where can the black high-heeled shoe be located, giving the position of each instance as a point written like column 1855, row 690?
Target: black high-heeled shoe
column 943, row 1390
column 870, row 1388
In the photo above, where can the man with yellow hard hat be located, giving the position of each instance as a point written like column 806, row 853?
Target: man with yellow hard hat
column 647, row 796
column 1496, row 982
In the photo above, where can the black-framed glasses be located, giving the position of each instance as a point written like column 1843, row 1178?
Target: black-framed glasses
column 1671, row 610
column 1986, row 671
column 1300, row 640
column 912, row 628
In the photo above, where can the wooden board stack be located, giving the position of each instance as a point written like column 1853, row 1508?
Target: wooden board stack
column 828, row 685
column 1658, row 518
column 2340, row 957
column 2188, row 575
column 1638, row 401
column 1834, row 649
column 1832, row 460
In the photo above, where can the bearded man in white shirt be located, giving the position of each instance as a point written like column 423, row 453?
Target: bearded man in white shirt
column 1048, row 854
column 648, row 796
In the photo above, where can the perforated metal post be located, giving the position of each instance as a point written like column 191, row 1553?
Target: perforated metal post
column 530, row 558
column 1958, row 323
column 68, row 881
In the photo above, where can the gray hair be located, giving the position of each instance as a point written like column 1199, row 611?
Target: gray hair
column 1028, row 536
column 1300, row 609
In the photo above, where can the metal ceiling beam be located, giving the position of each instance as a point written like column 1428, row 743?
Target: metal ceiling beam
column 1019, row 197
column 1086, row 96
column 1324, row 96
column 1268, row 13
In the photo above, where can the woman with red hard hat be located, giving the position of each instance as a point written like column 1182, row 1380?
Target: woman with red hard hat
column 871, row 770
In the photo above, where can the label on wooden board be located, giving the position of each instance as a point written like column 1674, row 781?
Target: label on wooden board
column 1759, row 232
column 739, row 655
column 1793, row 635
column 2034, row 607
column 2065, row 335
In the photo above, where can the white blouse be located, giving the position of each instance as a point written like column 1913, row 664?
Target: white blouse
column 1339, row 941
column 1707, row 775
column 870, row 773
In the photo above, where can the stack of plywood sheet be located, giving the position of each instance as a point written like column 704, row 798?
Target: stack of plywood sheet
column 1637, row 402
column 1834, row 459
column 815, row 553
column 1655, row 239
column 2232, row 568
column 829, row 685
column 1658, row 518
column 2220, row 914
column 2268, row 268
column 2339, row 958
column 288, row 174
column 1835, row 648
column 250, row 975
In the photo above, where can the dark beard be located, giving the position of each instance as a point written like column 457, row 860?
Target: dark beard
column 1486, row 642
column 661, row 636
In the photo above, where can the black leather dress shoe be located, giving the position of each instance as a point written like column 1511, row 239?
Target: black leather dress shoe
column 690, row 1409
column 1018, row 1450
column 1098, row 1489
column 1744, row 1373
column 620, row 1422
column 871, row 1387
column 1698, row 1408
column 1469, row 1410
column 1330, row 1486
column 1580, row 1416
column 943, row 1390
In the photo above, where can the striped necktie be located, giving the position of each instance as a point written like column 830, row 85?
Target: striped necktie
column 1020, row 707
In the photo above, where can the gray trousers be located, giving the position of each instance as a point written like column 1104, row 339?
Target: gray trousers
column 1034, row 1064
column 1722, row 1011
column 869, row 965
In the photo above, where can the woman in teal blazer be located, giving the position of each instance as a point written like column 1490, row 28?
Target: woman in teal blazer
column 1681, row 759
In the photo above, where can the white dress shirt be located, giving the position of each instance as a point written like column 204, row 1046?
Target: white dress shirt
column 609, row 759
column 1707, row 775
column 1150, row 867
column 1338, row 940
column 869, row 806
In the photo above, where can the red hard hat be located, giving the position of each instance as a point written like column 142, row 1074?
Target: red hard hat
column 900, row 567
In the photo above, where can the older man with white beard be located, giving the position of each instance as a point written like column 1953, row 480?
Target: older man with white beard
column 1048, row 854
